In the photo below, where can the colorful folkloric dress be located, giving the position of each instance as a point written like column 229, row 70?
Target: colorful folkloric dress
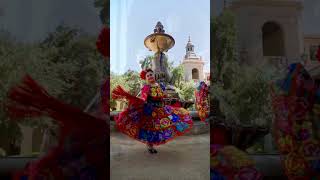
column 148, row 119
column 230, row 163
column 202, row 100
column 295, row 104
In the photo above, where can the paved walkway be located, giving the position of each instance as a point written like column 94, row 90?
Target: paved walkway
column 186, row 158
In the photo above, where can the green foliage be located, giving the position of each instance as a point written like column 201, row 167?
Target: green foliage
column 246, row 100
column 133, row 81
column 186, row 90
column 12, row 57
column 103, row 5
column 66, row 63
column 75, row 68
column 130, row 81
column 243, row 92
column 223, row 36
column 177, row 75
column 146, row 62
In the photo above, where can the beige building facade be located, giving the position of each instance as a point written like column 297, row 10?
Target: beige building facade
column 193, row 64
column 271, row 31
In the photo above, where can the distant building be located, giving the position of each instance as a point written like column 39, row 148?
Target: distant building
column 193, row 64
column 272, row 31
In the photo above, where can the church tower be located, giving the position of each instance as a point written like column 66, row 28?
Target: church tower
column 192, row 64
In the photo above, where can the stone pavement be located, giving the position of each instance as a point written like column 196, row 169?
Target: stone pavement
column 185, row 158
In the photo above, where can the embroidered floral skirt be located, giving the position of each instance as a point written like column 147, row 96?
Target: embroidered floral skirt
column 152, row 124
column 230, row 163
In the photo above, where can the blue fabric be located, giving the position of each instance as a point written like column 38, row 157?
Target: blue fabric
column 201, row 83
column 168, row 109
column 175, row 118
column 316, row 165
column 88, row 173
column 215, row 175
column 287, row 81
column 154, row 136
column 142, row 135
column 24, row 178
column 163, row 86
column 181, row 126
column 148, row 109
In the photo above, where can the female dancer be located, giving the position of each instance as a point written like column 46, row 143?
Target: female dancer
column 148, row 119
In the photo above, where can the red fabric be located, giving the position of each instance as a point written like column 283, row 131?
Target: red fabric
column 103, row 42
column 218, row 136
column 31, row 99
column 143, row 74
column 202, row 101
column 144, row 92
column 293, row 125
column 177, row 104
column 120, row 93
column 153, row 124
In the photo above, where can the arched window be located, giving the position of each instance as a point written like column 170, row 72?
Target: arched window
column 273, row 40
column 195, row 73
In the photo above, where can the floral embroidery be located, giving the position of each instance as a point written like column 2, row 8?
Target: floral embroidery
column 154, row 123
column 154, row 114
column 293, row 105
column 168, row 109
column 165, row 122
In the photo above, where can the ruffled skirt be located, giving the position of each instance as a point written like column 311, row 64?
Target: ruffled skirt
column 154, row 125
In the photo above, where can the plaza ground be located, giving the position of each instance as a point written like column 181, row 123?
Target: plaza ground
column 185, row 158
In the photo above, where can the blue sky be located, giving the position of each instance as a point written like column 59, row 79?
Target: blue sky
column 133, row 20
